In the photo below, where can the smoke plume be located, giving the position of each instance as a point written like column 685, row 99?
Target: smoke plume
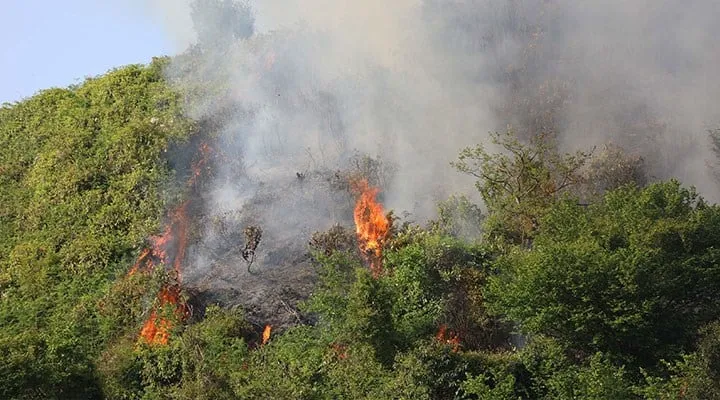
column 300, row 89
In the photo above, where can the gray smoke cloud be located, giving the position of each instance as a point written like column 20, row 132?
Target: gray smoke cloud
column 303, row 86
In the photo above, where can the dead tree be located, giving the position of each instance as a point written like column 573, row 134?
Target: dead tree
column 253, row 235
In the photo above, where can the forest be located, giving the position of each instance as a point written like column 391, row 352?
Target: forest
column 552, row 274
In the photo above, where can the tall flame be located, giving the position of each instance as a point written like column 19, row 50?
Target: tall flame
column 371, row 225
column 169, row 248
column 157, row 328
column 266, row 334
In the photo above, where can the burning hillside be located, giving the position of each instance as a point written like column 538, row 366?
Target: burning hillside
column 219, row 253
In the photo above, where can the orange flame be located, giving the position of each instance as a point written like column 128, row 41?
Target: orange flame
column 448, row 337
column 157, row 329
column 170, row 248
column 371, row 225
column 266, row 334
column 142, row 261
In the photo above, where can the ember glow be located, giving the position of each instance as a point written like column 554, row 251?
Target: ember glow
column 448, row 337
column 371, row 224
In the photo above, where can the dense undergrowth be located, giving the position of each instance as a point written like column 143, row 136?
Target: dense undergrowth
column 615, row 299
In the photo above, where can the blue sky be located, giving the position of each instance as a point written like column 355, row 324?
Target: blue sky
column 49, row 43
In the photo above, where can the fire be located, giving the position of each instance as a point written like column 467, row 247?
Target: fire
column 169, row 249
column 155, row 331
column 448, row 337
column 173, row 240
column 157, row 328
column 266, row 334
column 142, row 262
column 371, row 224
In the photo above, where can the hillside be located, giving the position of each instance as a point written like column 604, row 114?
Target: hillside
column 603, row 293
column 318, row 212
column 82, row 186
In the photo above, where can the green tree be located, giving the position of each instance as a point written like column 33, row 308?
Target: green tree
column 519, row 183
column 696, row 376
column 80, row 176
column 634, row 276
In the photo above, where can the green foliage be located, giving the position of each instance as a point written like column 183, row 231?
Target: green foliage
column 520, row 182
column 503, row 388
column 543, row 370
column 355, row 374
column 597, row 380
column 301, row 364
column 290, row 367
column 430, row 280
column 437, row 280
column 429, row 371
column 599, row 290
column 458, row 217
column 197, row 363
column 611, row 168
column 126, row 303
column 696, row 376
column 633, row 277
column 368, row 316
column 80, row 175
column 336, row 276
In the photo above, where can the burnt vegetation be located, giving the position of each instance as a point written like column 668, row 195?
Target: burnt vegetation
column 126, row 273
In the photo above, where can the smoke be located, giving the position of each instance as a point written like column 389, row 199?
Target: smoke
column 643, row 76
column 296, row 89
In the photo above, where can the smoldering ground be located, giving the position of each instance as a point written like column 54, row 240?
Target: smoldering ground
column 303, row 86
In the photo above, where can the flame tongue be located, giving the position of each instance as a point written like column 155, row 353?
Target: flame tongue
column 157, row 328
column 266, row 334
column 371, row 224
column 169, row 248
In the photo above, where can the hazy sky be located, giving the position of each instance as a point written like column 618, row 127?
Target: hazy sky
column 49, row 43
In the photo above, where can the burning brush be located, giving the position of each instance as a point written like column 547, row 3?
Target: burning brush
column 266, row 334
column 371, row 224
column 173, row 241
column 169, row 249
column 448, row 337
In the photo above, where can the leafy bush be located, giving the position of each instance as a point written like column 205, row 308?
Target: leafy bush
column 633, row 277
column 80, row 179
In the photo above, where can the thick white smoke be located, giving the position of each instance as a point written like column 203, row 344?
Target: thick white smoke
column 301, row 86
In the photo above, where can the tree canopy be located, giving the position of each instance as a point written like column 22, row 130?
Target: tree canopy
column 576, row 279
